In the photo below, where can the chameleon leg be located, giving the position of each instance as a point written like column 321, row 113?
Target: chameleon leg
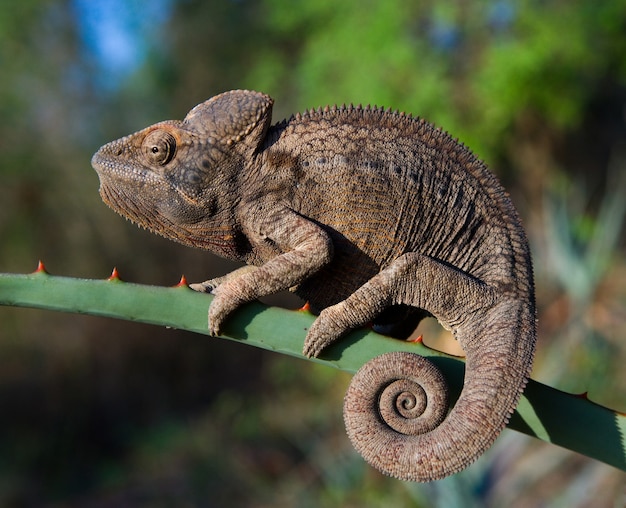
column 412, row 279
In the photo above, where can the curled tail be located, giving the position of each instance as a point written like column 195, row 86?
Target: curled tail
column 396, row 408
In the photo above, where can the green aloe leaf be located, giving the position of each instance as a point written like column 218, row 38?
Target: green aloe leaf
column 554, row 416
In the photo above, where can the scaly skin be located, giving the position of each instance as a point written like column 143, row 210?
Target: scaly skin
column 370, row 216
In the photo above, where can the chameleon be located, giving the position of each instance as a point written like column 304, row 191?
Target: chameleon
column 370, row 215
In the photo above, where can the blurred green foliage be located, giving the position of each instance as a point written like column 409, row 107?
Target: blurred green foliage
column 101, row 413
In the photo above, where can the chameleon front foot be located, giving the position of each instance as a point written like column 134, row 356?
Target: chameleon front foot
column 219, row 309
column 230, row 292
column 225, row 302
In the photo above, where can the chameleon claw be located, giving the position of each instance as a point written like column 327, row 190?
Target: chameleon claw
column 215, row 322
column 309, row 350
column 214, row 331
column 203, row 287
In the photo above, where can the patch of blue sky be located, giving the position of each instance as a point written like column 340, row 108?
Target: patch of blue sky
column 118, row 34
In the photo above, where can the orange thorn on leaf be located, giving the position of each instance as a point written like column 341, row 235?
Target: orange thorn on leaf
column 417, row 340
column 40, row 267
column 114, row 275
column 182, row 282
column 306, row 307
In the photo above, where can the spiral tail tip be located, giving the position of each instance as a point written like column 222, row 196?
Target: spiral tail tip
column 392, row 403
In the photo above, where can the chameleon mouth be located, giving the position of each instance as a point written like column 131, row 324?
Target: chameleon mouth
column 109, row 169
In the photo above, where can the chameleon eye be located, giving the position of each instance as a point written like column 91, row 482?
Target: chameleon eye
column 159, row 147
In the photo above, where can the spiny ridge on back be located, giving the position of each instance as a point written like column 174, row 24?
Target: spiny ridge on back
column 378, row 116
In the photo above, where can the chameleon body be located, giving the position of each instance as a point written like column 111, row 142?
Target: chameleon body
column 371, row 216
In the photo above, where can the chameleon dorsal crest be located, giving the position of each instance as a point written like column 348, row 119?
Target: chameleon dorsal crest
column 372, row 217
column 232, row 117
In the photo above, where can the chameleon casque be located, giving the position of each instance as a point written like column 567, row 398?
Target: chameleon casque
column 371, row 216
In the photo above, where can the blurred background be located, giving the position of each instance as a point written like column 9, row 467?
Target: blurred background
column 99, row 413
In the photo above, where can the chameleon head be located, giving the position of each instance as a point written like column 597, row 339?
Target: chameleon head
column 173, row 177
